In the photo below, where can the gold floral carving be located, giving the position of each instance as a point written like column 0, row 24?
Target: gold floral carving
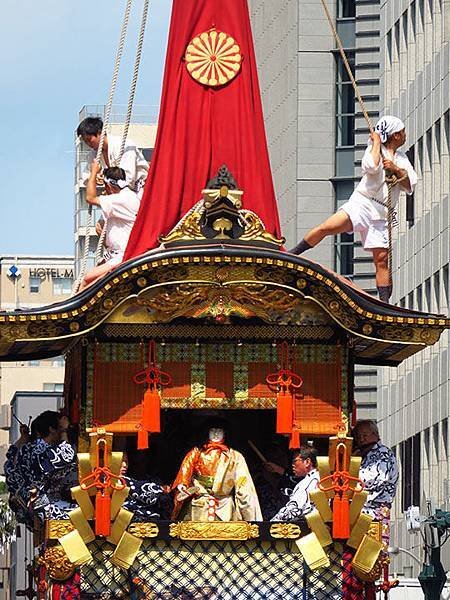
column 213, row 58
column 188, row 229
column 44, row 330
column 58, row 565
column 285, row 531
column 255, row 231
column 99, row 310
column 57, row 528
column 217, row 530
column 336, row 309
column 173, row 273
column 419, row 335
column 200, row 300
column 375, row 530
column 143, row 530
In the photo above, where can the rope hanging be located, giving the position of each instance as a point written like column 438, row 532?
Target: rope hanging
column 107, row 116
column 391, row 181
column 106, row 122
column 347, row 66
column 137, row 62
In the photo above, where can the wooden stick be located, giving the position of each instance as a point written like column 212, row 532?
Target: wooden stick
column 257, row 451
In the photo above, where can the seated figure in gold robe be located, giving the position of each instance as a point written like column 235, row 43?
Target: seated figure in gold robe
column 214, row 483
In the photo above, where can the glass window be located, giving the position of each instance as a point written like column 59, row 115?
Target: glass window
column 346, row 9
column 410, row 460
column 345, row 103
column 445, row 276
column 345, row 130
column 53, row 387
column 410, row 208
column 419, row 296
column 344, row 243
column 62, row 286
column 35, row 285
column 34, row 363
column 147, row 152
column 58, row 361
column 345, row 254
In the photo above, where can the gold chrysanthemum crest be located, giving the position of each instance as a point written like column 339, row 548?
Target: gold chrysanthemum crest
column 213, row 58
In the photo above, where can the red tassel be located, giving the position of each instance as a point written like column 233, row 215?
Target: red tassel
column 285, row 407
column 151, row 411
column 295, row 439
column 102, row 514
column 142, row 439
column 341, row 518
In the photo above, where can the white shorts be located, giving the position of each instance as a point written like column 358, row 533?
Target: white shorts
column 366, row 219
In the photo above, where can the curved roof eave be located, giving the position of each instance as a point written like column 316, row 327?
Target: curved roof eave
column 380, row 333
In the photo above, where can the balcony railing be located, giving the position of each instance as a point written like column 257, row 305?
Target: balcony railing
column 143, row 114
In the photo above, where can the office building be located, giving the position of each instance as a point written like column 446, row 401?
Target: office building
column 414, row 405
column 316, row 133
column 30, row 282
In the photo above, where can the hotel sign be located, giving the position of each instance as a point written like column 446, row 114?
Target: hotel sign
column 52, row 273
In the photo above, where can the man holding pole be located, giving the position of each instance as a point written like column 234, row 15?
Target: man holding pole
column 370, row 208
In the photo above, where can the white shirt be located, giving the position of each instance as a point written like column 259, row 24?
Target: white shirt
column 372, row 184
column 379, row 473
column 120, row 212
column 299, row 503
column 132, row 162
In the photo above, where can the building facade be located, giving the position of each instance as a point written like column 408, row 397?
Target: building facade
column 316, row 132
column 142, row 132
column 414, row 406
column 30, row 282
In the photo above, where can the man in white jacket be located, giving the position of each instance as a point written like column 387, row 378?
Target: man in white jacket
column 366, row 210
column 304, row 465
column 132, row 161
column 119, row 206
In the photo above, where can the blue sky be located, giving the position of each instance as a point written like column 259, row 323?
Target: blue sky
column 55, row 57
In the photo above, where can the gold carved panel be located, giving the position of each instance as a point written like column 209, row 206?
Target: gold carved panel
column 217, row 530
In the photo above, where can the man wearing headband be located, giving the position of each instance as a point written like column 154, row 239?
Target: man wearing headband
column 119, row 206
column 132, row 161
column 366, row 210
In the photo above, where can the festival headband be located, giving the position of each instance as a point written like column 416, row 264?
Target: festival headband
column 387, row 126
column 121, row 183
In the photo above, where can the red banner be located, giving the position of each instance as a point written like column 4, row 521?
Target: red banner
column 201, row 128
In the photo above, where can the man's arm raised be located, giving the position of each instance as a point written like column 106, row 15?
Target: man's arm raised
column 91, row 188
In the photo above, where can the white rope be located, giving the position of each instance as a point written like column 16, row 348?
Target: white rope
column 106, row 119
column 137, row 62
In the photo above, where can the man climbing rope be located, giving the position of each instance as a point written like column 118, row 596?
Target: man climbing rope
column 119, row 206
column 367, row 209
column 132, row 160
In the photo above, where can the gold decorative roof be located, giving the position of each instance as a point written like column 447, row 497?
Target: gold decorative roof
column 214, row 285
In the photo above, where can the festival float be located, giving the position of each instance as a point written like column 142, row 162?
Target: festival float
column 211, row 317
